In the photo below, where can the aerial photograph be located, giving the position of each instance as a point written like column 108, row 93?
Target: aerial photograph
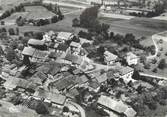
column 83, row 58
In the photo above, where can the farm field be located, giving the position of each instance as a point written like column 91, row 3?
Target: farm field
column 38, row 12
column 138, row 26
column 31, row 12
column 65, row 9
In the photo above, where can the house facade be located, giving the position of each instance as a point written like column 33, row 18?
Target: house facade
column 132, row 59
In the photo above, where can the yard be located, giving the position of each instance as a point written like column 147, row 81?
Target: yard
column 162, row 55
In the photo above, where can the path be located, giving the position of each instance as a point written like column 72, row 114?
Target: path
column 156, row 50
column 82, row 111
column 153, row 76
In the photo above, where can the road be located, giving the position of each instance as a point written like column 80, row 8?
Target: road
column 156, row 50
column 153, row 76
column 82, row 111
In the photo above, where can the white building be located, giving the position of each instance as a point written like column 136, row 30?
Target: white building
column 64, row 36
column 116, row 106
column 161, row 35
column 131, row 58
column 110, row 58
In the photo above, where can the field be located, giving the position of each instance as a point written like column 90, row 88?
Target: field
column 38, row 12
column 31, row 12
column 65, row 9
column 138, row 26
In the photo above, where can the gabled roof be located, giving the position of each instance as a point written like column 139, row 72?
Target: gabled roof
column 64, row 35
column 75, row 44
column 102, row 78
column 28, row 51
column 35, row 42
column 40, row 54
column 115, row 105
column 110, row 56
column 73, row 58
column 125, row 70
column 54, row 97
column 82, row 79
column 131, row 55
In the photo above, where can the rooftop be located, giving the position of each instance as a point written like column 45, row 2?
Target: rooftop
column 54, row 97
column 110, row 56
column 131, row 55
column 75, row 44
column 64, row 35
column 35, row 42
column 125, row 70
column 116, row 105
column 28, row 51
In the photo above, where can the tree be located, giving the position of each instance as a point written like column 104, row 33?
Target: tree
column 65, row 109
column 20, row 21
column 1, row 51
column 54, row 19
column 11, row 31
column 84, row 45
column 41, row 108
column 13, row 45
column 100, row 50
column 60, row 15
column 162, row 64
column 2, row 22
column 38, row 35
column 17, row 31
column 136, row 75
column 88, row 17
column 10, row 54
column 75, row 22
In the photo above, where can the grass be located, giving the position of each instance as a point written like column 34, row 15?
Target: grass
column 38, row 12
column 65, row 9
column 160, row 72
column 138, row 26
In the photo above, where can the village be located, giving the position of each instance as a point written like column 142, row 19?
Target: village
column 55, row 74
column 91, row 69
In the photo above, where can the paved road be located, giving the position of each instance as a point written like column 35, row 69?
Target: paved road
column 153, row 76
column 82, row 111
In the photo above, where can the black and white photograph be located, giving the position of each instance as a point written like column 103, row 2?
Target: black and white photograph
column 83, row 58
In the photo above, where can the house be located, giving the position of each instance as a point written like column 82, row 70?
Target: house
column 94, row 85
column 74, row 59
column 75, row 47
column 125, row 73
column 66, row 82
column 82, row 79
column 82, row 41
column 102, row 78
column 116, row 106
column 35, row 42
column 35, row 54
column 110, row 58
column 131, row 58
column 13, row 83
column 48, row 36
column 64, row 36
column 53, row 97
column 28, row 51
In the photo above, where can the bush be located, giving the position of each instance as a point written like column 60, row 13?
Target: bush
column 162, row 64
